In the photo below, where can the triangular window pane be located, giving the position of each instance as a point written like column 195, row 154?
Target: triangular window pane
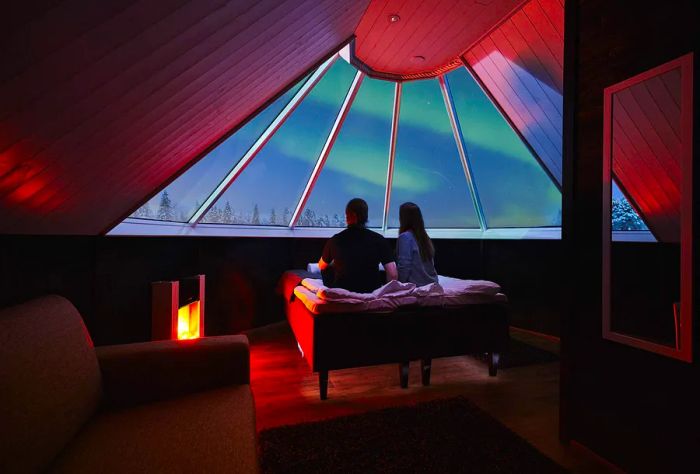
column 427, row 168
column 357, row 164
column 181, row 198
column 268, row 190
column 623, row 215
column 513, row 188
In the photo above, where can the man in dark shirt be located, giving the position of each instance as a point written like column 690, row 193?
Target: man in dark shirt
column 356, row 252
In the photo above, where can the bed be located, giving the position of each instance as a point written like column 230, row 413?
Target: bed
column 343, row 337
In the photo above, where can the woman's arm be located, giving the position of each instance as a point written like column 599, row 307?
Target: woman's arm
column 391, row 273
column 404, row 252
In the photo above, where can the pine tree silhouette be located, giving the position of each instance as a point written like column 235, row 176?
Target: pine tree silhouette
column 227, row 214
column 143, row 212
column 213, row 216
column 165, row 209
column 624, row 216
column 255, row 220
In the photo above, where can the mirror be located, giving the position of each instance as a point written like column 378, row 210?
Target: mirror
column 647, row 210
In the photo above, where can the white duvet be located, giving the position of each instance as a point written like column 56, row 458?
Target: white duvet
column 448, row 291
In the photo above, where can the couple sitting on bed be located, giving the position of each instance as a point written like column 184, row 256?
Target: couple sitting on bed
column 351, row 258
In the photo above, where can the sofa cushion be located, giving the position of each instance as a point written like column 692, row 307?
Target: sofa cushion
column 50, row 381
column 212, row 431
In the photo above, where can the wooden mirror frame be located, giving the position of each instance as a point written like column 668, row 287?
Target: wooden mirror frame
column 684, row 351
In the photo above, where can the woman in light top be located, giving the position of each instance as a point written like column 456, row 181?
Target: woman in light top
column 414, row 250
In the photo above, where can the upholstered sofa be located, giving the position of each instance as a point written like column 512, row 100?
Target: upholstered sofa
column 166, row 406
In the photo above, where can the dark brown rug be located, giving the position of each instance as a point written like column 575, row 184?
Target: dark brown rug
column 521, row 354
column 442, row 436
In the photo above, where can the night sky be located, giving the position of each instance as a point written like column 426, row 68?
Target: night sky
column 513, row 188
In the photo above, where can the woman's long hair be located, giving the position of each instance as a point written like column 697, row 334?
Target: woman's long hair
column 410, row 218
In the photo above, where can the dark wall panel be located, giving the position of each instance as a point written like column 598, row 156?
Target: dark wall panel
column 108, row 278
column 635, row 408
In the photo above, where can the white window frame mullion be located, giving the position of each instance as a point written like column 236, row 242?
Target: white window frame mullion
column 328, row 145
column 462, row 148
column 262, row 140
column 392, row 154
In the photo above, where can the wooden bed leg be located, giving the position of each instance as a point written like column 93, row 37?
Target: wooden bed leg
column 323, row 384
column 493, row 363
column 403, row 374
column 425, row 365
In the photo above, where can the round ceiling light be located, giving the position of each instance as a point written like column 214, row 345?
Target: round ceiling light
column 394, row 18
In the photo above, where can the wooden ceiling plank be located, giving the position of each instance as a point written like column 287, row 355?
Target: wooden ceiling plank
column 548, row 100
column 412, row 38
column 115, row 74
column 70, row 210
column 59, row 25
column 537, row 45
column 369, row 21
column 46, row 75
column 545, row 30
column 671, row 80
column 667, row 103
column 658, row 120
column 374, row 38
column 173, row 146
column 638, row 118
column 660, row 218
column 554, row 10
column 394, row 32
column 663, row 189
column 497, row 66
column 528, row 58
column 477, row 58
column 126, row 106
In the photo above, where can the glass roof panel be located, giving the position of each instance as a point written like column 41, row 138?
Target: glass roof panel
column 513, row 188
column 269, row 188
column 357, row 164
column 624, row 217
column 427, row 168
column 181, row 198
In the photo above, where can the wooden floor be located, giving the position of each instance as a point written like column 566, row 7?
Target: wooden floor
column 525, row 399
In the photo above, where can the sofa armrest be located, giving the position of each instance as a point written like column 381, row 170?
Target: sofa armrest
column 149, row 371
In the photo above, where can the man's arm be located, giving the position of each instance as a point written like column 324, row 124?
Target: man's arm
column 391, row 272
column 322, row 265
column 326, row 256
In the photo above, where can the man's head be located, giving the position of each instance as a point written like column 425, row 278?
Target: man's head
column 356, row 212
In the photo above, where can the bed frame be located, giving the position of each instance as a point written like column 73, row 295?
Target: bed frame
column 346, row 340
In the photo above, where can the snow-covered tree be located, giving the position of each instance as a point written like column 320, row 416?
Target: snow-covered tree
column 337, row 221
column 227, row 214
column 165, row 209
column 143, row 212
column 624, row 216
column 273, row 217
column 255, row 220
column 286, row 216
column 213, row 216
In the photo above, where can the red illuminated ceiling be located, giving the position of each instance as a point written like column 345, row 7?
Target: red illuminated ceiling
column 103, row 102
column 438, row 31
column 521, row 63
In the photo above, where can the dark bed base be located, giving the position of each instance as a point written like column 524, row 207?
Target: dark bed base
column 347, row 340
